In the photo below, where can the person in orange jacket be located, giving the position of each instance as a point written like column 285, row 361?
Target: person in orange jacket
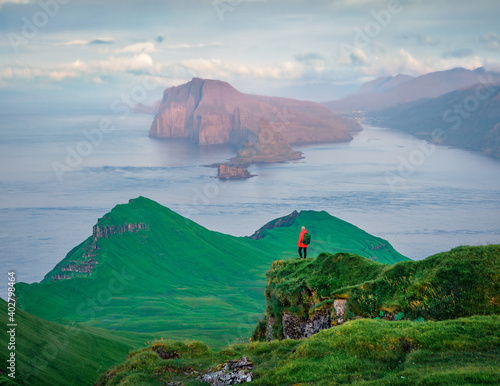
column 302, row 246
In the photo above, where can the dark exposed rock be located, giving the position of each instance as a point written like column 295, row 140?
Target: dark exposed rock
column 294, row 328
column 285, row 221
column 230, row 373
column 106, row 231
column 164, row 353
column 60, row 277
column 86, row 266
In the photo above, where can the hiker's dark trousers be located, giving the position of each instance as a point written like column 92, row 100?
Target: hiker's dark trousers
column 305, row 252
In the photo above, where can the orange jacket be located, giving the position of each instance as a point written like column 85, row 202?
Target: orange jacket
column 301, row 238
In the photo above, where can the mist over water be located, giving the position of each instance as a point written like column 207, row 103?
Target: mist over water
column 422, row 199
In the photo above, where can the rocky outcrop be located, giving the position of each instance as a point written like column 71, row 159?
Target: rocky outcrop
column 80, row 267
column 60, row 277
column 84, row 263
column 285, row 221
column 230, row 373
column 295, row 328
column 106, row 231
column 231, row 172
column 339, row 306
column 211, row 112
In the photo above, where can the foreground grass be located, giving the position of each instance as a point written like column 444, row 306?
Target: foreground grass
column 459, row 283
column 53, row 354
column 453, row 352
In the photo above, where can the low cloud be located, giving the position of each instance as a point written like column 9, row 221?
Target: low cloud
column 102, row 41
column 138, row 48
column 88, row 42
column 460, row 53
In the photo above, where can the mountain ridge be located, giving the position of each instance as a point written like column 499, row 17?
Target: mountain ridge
column 430, row 85
column 468, row 118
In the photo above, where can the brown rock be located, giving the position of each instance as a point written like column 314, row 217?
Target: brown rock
column 228, row 171
column 212, row 112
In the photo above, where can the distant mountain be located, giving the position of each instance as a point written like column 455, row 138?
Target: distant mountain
column 466, row 118
column 147, row 269
column 386, row 92
column 212, row 112
column 383, row 84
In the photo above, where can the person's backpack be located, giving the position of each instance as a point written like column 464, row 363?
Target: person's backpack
column 307, row 239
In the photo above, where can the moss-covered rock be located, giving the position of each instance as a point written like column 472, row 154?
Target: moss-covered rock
column 461, row 282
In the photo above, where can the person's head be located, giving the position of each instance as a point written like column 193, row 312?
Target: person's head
column 303, row 228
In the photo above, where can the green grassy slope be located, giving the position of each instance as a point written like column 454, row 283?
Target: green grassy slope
column 370, row 352
column 48, row 353
column 462, row 282
column 330, row 234
column 160, row 272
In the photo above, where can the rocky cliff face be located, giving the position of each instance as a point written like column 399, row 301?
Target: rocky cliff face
column 294, row 327
column 84, row 264
column 211, row 112
column 284, row 221
column 106, row 231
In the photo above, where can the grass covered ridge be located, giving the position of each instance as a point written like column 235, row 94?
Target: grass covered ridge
column 378, row 352
column 155, row 271
column 462, row 282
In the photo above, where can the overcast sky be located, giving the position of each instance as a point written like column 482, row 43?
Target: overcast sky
column 311, row 49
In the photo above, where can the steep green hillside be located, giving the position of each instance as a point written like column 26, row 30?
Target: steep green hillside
column 329, row 234
column 462, row 282
column 373, row 352
column 146, row 268
column 53, row 354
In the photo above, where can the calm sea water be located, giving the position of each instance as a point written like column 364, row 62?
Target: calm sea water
column 423, row 200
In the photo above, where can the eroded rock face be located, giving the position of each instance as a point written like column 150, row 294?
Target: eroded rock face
column 285, row 221
column 107, row 231
column 85, row 265
column 339, row 307
column 229, row 171
column 231, row 373
column 211, row 112
column 294, row 328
